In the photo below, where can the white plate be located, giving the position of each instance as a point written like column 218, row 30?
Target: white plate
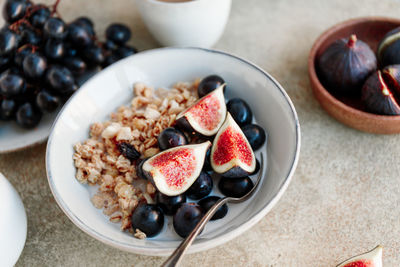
column 112, row 87
column 13, row 137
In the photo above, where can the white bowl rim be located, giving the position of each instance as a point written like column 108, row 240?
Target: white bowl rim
column 223, row 238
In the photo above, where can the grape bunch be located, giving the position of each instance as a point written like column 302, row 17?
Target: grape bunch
column 42, row 58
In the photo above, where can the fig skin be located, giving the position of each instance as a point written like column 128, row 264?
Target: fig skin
column 377, row 97
column 389, row 48
column 345, row 64
column 391, row 75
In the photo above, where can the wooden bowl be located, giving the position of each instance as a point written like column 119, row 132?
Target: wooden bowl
column 349, row 110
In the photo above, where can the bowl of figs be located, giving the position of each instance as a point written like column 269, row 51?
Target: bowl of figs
column 354, row 71
column 138, row 166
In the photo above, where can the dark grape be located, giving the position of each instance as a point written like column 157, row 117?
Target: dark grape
column 93, row 55
column 14, row 10
column 11, row 84
column 29, row 36
column 34, row 65
column 21, row 54
column 46, row 101
column 86, row 23
column 7, row 109
column 128, row 151
column 8, row 42
column 208, row 202
column 110, row 45
column 169, row 204
column 54, row 48
column 75, row 64
column 171, row 137
column 28, row 116
column 60, row 78
column 39, row 17
column 186, row 218
column 79, row 36
column 255, row 134
column 4, row 63
column 208, row 84
column 110, row 59
column 240, row 111
column 125, row 51
column 201, row 187
column 70, row 51
column 139, row 168
column 148, row 218
column 118, row 33
column 235, row 187
column 54, row 28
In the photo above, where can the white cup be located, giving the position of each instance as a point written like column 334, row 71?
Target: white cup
column 191, row 23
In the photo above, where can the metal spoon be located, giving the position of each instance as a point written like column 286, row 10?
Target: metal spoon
column 176, row 257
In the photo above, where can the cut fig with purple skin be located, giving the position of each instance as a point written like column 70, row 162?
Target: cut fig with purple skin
column 377, row 96
column 391, row 75
column 345, row 64
column 206, row 115
column 231, row 153
column 372, row 258
column 174, row 170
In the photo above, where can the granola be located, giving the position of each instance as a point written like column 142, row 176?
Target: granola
column 99, row 162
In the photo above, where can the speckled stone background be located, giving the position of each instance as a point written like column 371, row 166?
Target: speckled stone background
column 344, row 197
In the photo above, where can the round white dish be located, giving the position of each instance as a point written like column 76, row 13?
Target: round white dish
column 191, row 23
column 13, row 224
column 14, row 138
column 112, row 87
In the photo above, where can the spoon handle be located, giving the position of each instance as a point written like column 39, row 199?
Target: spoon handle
column 176, row 257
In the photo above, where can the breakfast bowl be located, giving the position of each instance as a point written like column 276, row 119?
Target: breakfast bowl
column 112, row 87
column 350, row 110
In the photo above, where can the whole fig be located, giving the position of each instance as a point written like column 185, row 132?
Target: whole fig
column 345, row 64
column 389, row 48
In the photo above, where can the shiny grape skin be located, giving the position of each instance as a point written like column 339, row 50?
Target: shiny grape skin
column 148, row 218
column 34, row 65
column 54, row 28
column 125, row 51
column 235, row 187
column 29, row 36
column 171, row 137
column 170, row 204
column 8, row 42
column 11, row 84
column 186, row 218
column 208, row 202
column 46, row 101
column 201, row 187
column 240, row 111
column 255, row 134
column 93, row 55
column 118, row 33
column 7, row 109
column 21, row 54
column 14, row 10
column 209, row 84
column 79, row 36
column 39, row 17
column 28, row 116
column 75, row 64
column 60, row 78
column 54, row 49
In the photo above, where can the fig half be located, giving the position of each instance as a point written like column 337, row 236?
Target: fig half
column 174, row 170
column 378, row 97
column 372, row 258
column 206, row 115
column 231, row 153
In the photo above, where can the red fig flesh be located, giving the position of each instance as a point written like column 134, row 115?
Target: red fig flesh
column 372, row 258
column 174, row 170
column 206, row 115
column 231, row 153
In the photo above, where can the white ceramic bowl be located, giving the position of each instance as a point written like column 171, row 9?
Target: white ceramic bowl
column 191, row 23
column 112, row 87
